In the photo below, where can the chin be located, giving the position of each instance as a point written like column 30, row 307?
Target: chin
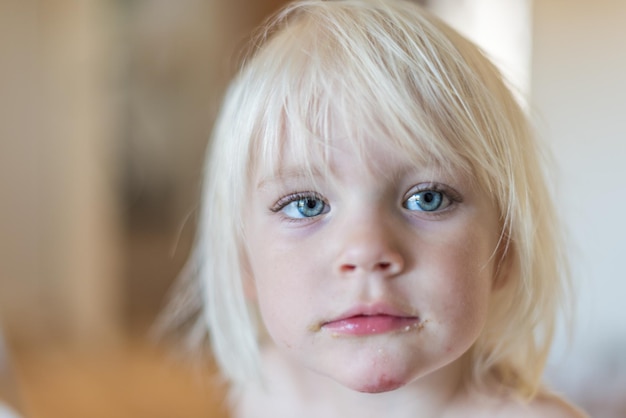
column 374, row 381
column 380, row 385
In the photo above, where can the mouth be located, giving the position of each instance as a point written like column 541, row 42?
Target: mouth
column 379, row 319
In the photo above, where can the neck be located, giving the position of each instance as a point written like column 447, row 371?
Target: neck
column 291, row 390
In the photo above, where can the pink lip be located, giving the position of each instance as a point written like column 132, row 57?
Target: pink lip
column 371, row 320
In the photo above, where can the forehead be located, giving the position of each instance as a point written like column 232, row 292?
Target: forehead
column 301, row 157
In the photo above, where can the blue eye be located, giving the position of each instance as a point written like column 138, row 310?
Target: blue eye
column 426, row 201
column 304, row 207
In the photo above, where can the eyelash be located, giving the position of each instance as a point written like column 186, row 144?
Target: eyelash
column 448, row 193
column 294, row 197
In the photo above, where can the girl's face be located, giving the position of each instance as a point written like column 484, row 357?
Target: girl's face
column 374, row 274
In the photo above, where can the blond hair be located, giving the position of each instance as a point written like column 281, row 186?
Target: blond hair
column 390, row 69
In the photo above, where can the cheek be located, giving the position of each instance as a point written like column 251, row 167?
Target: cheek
column 281, row 290
column 286, row 264
column 464, row 273
column 274, row 306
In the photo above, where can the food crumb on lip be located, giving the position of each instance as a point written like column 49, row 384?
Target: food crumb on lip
column 352, row 330
column 315, row 327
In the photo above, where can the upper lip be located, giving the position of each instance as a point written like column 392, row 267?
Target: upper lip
column 373, row 309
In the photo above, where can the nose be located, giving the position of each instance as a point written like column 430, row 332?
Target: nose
column 369, row 247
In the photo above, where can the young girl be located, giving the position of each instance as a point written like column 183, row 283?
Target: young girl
column 377, row 238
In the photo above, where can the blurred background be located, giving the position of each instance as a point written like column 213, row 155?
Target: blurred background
column 105, row 110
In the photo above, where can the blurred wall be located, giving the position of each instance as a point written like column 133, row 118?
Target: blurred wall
column 502, row 28
column 177, row 58
column 579, row 87
column 105, row 110
column 58, row 276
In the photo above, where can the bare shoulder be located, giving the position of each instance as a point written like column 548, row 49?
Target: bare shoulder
column 545, row 405
column 548, row 405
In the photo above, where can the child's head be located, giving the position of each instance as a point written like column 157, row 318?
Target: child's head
column 376, row 104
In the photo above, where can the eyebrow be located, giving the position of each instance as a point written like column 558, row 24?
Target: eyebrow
column 293, row 174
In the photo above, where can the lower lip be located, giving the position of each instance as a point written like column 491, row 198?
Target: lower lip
column 371, row 325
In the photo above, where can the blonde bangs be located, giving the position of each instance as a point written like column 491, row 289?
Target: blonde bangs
column 314, row 78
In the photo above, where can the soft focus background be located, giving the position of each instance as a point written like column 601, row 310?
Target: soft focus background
column 105, row 110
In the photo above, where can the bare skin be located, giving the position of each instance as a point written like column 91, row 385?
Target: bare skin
column 291, row 391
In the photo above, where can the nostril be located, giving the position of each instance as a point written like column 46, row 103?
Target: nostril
column 346, row 268
column 384, row 265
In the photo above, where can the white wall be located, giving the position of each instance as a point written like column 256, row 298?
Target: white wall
column 501, row 28
column 579, row 87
